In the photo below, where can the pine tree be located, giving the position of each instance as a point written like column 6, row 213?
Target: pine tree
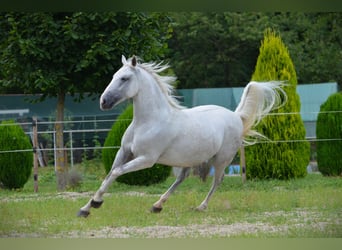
column 279, row 160
column 329, row 126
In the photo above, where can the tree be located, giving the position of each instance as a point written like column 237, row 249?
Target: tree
column 329, row 135
column 215, row 49
column 55, row 54
column 315, row 40
column 15, row 166
column 221, row 49
column 289, row 157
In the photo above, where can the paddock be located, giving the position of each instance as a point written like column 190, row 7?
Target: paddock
column 308, row 207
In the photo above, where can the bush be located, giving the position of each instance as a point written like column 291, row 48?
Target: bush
column 329, row 126
column 158, row 173
column 15, row 167
column 282, row 160
column 74, row 178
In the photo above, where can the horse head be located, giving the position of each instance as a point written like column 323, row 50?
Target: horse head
column 123, row 85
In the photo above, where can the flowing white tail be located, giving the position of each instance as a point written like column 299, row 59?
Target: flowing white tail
column 258, row 99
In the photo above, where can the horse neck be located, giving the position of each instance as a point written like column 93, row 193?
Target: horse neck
column 150, row 103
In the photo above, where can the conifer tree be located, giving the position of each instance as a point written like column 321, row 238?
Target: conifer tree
column 286, row 158
column 16, row 164
column 329, row 130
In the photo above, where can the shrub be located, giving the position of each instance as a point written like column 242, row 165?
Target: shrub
column 280, row 160
column 329, row 126
column 15, row 167
column 74, row 178
column 156, row 174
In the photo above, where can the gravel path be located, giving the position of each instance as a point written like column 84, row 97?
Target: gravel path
column 192, row 231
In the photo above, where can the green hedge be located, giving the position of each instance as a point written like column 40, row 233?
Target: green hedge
column 158, row 173
column 329, row 126
column 282, row 160
column 15, row 167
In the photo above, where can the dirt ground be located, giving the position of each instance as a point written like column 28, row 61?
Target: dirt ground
column 192, row 231
column 189, row 231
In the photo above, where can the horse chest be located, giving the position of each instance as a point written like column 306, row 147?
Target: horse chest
column 149, row 140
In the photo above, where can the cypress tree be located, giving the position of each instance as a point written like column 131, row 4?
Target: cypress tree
column 329, row 126
column 278, row 160
column 15, row 165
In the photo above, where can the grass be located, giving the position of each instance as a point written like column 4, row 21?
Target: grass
column 308, row 207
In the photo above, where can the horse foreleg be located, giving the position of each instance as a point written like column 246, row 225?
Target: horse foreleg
column 158, row 206
column 97, row 200
column 135, row 164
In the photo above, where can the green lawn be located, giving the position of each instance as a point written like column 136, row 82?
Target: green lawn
column 308, row 207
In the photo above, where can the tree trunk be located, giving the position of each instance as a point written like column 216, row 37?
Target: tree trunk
column 60, row 166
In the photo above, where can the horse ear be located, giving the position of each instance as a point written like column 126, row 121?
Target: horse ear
column 123, row 60
column 134, row 61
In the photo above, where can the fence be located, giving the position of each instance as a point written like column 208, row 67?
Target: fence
column 84, row 139
column 88, row 136
column 81, row 143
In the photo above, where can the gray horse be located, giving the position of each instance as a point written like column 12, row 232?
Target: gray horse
column 162, row 131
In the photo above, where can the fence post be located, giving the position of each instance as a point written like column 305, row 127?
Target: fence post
column 54, row 150
column 35, row 153
column 71, row 150
column 243, row 163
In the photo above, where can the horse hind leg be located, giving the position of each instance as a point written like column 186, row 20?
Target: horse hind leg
column 158, row 206
column 218, row 178
column 222, row 159
column 203, row 170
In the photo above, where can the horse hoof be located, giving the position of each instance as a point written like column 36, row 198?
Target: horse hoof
column 96, row 204
column 200, row 208
column 156, row 209
column 83, row 213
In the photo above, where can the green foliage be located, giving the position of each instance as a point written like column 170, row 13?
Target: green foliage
column 280, row 160
column 329, row 126
column 158, row 173
column 15, row 167
column 309, row 33
column 231, row 41
column 76, row 52
column 56, row 53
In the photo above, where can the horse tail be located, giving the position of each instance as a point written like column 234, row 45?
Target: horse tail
column 258, row 99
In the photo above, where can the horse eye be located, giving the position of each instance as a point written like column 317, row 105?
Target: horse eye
column 124, row 79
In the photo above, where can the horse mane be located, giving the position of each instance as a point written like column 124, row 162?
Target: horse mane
column 166, row 83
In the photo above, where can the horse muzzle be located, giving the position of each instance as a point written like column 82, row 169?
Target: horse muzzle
column 109, row 101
